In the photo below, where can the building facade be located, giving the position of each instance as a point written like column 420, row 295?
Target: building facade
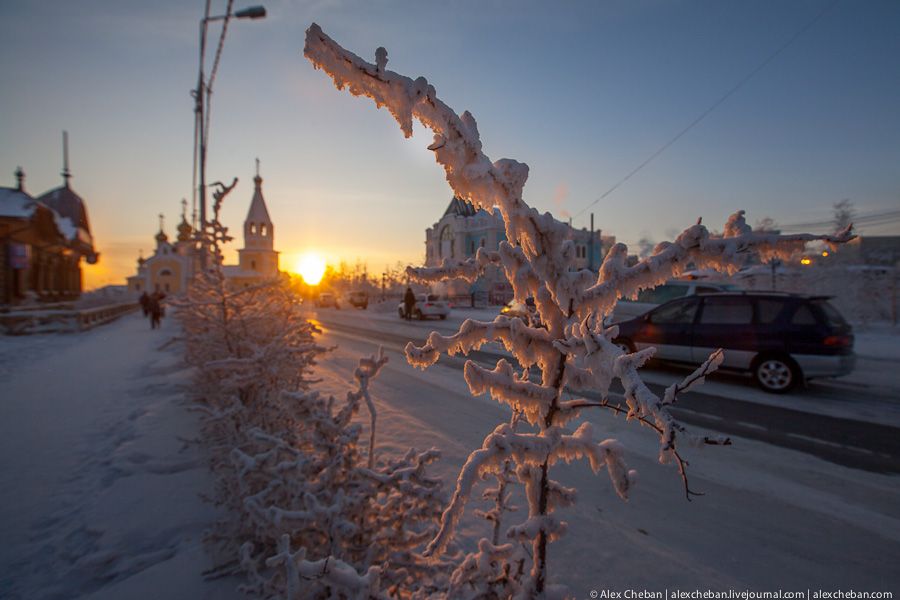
column 42, row 243
column 172, row 266
column 462, row 230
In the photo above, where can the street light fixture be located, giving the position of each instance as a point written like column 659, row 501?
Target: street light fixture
column 201, row 107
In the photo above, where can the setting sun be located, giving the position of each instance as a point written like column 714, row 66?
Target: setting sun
column 311, row 267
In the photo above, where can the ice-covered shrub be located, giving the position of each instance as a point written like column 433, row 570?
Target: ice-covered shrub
column 573, row 352
column 308, row 511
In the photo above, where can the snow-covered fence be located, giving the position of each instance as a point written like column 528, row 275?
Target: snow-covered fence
column 572, row 351
column 65, row 320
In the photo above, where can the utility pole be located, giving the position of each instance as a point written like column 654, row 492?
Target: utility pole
column 591, row 246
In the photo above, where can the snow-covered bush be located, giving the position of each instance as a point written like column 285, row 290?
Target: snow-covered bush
column 306, row 512
column 574, row 351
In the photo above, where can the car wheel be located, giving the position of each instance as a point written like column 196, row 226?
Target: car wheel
column 625, row 345
column 776, row 375
column 443, row 317
column 418, row 315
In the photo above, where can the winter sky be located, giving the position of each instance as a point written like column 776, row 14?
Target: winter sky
column 583, row 92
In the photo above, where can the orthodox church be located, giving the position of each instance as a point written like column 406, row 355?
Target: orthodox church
column 173, row 265
column 42, row 241
column 462, row 230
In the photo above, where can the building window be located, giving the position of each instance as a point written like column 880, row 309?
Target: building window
column 446, row 247
column 472, row 247
column 167, row 287
column 165, row 273
column 482, row 242
column 252, row 228
column 253, row 264
column 263, row 229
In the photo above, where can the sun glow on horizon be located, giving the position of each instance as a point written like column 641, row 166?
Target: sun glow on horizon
column 311, row 267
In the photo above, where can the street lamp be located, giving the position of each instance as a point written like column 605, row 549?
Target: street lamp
column 201, row 106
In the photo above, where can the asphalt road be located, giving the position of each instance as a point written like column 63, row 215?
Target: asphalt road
column 853, row 443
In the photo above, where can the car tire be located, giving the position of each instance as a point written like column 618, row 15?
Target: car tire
column 443, row 317
column 418, row 315
column 776, row 374
column 625, row 345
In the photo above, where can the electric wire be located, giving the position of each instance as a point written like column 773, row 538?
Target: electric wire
column 713, row 107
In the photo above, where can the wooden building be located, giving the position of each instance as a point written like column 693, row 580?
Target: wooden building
column 42, row 243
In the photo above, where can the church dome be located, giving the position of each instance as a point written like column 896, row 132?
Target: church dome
column 161, row 237
column 184, row 230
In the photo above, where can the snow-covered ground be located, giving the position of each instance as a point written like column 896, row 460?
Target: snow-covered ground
column 99, row 495
column 771, row 518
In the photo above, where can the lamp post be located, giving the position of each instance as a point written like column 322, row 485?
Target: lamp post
column 201, row 107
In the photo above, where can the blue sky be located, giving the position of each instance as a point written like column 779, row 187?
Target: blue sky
column 581, row 91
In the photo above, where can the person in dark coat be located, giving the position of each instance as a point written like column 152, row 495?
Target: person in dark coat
column 145, row 303
column 155, row 308
column 409, row 301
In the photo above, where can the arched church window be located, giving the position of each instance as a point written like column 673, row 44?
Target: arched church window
column 252, row 228
column 446, row 247
column 165, row 273
column 263, row 229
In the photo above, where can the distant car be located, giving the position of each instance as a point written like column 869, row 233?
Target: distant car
column 427, row 305
column 527, row 311
column 652, row 297
column 326, row 300
column 782, row 339
column 359, row 299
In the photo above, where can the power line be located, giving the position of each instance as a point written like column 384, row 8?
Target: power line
column 886, row 217
column 713, row 107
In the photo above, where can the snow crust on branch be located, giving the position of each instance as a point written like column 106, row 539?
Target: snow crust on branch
column 572, row 350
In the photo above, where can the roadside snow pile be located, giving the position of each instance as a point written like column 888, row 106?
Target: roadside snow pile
column 574, row 350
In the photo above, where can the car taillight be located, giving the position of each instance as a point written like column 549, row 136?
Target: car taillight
column 428, row 304
column 838, row 341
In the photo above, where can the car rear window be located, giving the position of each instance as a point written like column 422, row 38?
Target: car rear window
column 728, row 310
column 832, row 316
column 803, row 316
column 433, row 298
column 768, row 309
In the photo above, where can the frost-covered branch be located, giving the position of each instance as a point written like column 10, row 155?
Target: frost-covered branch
column 572, row 349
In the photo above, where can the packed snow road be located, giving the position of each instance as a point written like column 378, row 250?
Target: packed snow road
column 771, row 518
column 843, row 422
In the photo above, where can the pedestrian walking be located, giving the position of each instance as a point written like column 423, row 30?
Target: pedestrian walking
column 155, row 309
column 409, row 301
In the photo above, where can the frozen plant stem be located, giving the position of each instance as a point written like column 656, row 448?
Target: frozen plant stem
column 572, row 351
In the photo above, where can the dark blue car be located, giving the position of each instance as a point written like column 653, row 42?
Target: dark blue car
column 782, row 339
